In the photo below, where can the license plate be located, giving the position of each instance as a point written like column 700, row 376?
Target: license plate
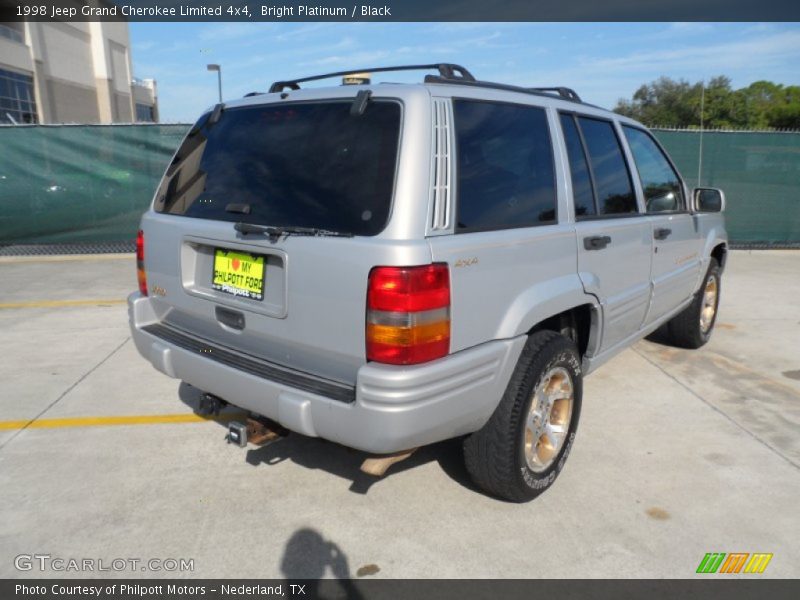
column 238, row 273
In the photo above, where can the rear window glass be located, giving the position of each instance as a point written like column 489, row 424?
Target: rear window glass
column 302, row 165
column 505, row 166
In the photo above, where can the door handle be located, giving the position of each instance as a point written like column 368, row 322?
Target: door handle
column 596, row 242
column 662, row 233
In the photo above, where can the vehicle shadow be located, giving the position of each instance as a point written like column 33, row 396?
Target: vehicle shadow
column 315, row 453
column 660, row 336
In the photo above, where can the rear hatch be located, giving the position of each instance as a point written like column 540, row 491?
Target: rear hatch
column 319, row 182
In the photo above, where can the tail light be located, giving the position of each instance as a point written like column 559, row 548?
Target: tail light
column 408, row 314
column 140, row 274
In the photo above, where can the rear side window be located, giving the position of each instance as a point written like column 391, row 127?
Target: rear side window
column 662, row 187
column 582, row 192
column 505, row 166
column 612, row 181
column 593, row 146
column 305, row 165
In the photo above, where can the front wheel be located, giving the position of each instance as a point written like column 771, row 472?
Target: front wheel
column 521, row 450
column 692, row 327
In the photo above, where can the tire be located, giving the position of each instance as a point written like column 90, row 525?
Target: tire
column 502, row 457
column 692, row 327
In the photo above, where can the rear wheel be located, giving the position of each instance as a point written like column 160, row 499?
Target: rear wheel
column 693, row 326
column 521, row 450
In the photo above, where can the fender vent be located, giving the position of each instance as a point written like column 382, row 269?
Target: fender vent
column 442, row 171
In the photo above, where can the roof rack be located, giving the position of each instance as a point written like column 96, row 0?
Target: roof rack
column 564, row 92
column 448, row 74
column 447, row 71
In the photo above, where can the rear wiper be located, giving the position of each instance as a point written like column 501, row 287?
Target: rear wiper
column 275, row 233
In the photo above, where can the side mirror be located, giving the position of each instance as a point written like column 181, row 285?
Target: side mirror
column 708, row 200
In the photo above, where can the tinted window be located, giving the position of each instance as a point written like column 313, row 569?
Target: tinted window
column 611, row 178
column 662, row 188
column 505, row 166
column 17, row 103
column 582, row 193
column 145, row 113
column 306, row 165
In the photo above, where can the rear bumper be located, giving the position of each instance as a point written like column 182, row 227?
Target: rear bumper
column 394, row 408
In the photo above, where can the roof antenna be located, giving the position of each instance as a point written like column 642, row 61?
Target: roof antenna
column 360, row 103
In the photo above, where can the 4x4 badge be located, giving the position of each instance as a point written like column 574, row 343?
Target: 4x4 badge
column 466, row 262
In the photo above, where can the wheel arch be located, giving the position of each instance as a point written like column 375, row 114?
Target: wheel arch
column 580, row 323
column 720, row 253
column 559, row 305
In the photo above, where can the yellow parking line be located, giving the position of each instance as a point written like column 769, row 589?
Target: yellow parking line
column 59, row 303
column 124, row 420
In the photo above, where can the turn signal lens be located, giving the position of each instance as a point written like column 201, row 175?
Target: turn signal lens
column 408, row 314
column 140, row 274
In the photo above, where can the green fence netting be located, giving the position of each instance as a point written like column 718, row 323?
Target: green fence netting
column 759, row 172
column 80, row 183
column 90, row 184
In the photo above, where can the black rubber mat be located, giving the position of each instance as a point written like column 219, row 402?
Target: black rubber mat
column 74, row 248
column 765, row 245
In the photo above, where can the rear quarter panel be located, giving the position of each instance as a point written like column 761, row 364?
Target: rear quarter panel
column 508, row 280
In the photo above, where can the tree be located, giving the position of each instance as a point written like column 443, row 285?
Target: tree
column 663, row 102
column 672, row 103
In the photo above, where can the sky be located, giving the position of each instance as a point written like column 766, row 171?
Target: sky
column 603, row 62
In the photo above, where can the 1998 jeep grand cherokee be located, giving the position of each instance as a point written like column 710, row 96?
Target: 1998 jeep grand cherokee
column 387, row 266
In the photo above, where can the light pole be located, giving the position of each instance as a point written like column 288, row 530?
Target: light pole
column 218, row 69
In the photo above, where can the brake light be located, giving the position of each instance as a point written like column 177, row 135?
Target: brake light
column 140, row 274
column 408, row 314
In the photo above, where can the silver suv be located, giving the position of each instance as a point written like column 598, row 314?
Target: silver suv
column 390, row 265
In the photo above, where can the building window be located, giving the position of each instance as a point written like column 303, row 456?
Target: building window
column 11, row 32
column 145, row 113
column 17, row 102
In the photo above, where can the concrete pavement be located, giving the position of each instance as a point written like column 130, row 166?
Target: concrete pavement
column 678, row 453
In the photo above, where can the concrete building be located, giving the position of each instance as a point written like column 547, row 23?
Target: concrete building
column 145, row 100
column 71, row 73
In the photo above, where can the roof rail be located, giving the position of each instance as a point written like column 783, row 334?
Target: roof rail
column 564, row 92
column 447, row 71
